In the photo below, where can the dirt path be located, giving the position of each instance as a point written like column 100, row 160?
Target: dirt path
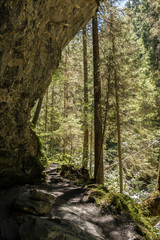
column 72, row 217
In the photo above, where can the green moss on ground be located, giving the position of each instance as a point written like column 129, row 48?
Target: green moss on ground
column 118, row 204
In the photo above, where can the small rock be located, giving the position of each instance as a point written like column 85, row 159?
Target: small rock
column 41, row 195
column 33, row 206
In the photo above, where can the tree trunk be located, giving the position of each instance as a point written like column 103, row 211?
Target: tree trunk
column 158, row 122
column 85, row 123
column 46, row 113
column 91, row 152
column 106, row 105
column 158, row 180
column 32, row 35
column 99, row 169
column 65, row 94
column 52, row 109
column 116, row 80
column 37, row 112
column 52, row 119
column 119, row 133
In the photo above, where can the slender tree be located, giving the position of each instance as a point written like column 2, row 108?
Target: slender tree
column 85, row 111
column 65, row 93
column 119, row 131
column 99, row 168
column 91, row 152
column 52, row 116
column 46, row 112
column 37, row 112
column 52, row 107
column 116, row 80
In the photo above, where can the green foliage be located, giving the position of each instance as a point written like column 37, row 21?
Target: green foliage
column 61, row 159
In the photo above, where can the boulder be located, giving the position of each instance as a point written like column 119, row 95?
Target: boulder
column 37, row 202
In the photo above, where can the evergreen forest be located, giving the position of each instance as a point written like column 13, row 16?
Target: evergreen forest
column 123, row 117
column 97, row 124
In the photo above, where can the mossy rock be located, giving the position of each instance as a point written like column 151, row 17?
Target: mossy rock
column 95, row 195
column 152, row 204
column 79, row 175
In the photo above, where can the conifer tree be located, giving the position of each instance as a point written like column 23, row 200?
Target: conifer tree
column 98, row 151
column 46, row 112
column 85, row 124
column 65, row 94
column 37, row 111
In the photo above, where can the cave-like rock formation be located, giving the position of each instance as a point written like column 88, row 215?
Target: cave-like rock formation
column 32, row 35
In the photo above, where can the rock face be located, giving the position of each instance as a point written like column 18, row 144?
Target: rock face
column 32, row 35
column 36, row 228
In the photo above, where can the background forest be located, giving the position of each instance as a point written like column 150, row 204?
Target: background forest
column 129, row 46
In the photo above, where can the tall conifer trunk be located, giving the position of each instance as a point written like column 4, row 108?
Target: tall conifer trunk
column 37, row 112
column 91, row 152
column 52, row 117
column 65, row 105
column 118, row 131
column 158, row 181
column 116, row 81
column 158, row 121
column 85, row 123
column 52, row 108
column 46, row 112
column 99, row 168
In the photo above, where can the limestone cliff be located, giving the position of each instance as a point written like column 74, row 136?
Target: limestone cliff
column 32, row 35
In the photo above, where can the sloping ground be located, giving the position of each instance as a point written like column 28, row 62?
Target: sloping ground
column 58, row 210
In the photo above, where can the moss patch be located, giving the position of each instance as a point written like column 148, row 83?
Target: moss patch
column 152, row 204
column 118, row 204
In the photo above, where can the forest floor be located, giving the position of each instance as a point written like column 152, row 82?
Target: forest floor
column 72, row 216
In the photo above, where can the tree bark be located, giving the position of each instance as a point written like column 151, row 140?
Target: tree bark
column 158, row 122
column 85, row 111
column 46, row 113
column 65, row 94
column 52, row 119
column 91, row 152
column 99, row 168
column 119, row 133
column 32, row 35
column 37, row 112
column 52, row 109
column 158, row 180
